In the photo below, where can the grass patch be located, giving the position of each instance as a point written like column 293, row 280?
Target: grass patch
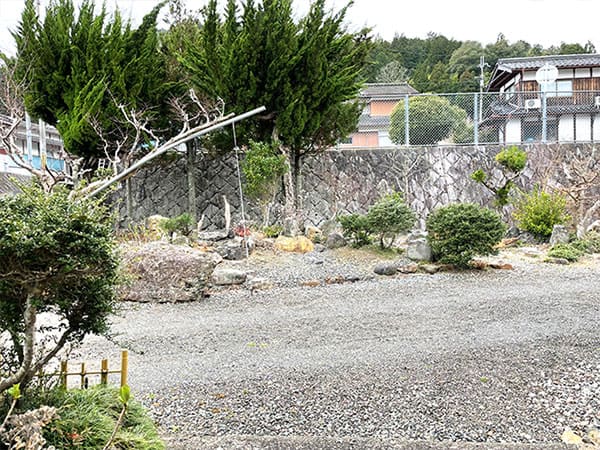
column 87, row 419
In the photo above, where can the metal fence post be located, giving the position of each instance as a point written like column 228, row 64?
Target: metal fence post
column 475, row 119
column 544, row 118
column 406, row 122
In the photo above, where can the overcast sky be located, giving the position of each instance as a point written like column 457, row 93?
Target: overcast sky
column 545, row 22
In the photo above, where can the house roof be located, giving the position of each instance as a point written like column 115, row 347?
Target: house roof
column 386, row 91
column 503, row 71
column 369, row 123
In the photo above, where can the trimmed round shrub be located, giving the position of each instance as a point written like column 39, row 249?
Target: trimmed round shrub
column 390, row 215
column 356, row 227
column 461, row 231
column 539, row 211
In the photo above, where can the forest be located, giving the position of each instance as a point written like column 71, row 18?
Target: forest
column 439, row 64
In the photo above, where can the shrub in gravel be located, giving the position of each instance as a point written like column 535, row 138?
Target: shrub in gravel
column 589, row 243
column 356, row 227
column 390, row 215
column 571, row 252
column 458, row 232
column 538, row 212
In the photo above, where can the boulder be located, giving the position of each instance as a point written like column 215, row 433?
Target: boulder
column 161, row 272
column 430, row 268
column 335, row 240
column 235, row 249
column 560, row 235
column 296, row 244
column 408, row 268
column 386, row 268
column 418, row 248
column 228, row 277
column 213, row 236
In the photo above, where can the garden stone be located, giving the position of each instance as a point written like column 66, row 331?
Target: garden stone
column 418, row 247
column 164, row 273
column 560, row 235
column 153, row 223
column 320, row 248
column 180, row 239
column 259, row 283
column 386, row 268
column 296, row 244
column 228, row 277
column 235, row 249
column 219, row 235
column 562, row 261
column 430, row 268
column 335, row 240
column 313, row 233
column 330, row 226
column 408, row 268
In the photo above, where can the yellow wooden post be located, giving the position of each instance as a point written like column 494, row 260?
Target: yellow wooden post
column 124, row 366
column 63, row 374
column 104, row 372
column 82, row 375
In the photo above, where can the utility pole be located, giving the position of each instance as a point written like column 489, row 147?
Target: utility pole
column 482, row 66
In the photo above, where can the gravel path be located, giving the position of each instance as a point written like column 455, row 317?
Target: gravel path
column 413, row 361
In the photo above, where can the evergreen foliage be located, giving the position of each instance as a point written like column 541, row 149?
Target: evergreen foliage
column 77, row 64
column 461, row 231
column 389, row 216
column 307, row 73
column 56, row 256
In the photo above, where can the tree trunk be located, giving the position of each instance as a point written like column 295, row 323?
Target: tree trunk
column 291, row 225
column 191, row 177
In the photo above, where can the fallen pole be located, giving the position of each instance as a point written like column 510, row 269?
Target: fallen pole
column 201, row 130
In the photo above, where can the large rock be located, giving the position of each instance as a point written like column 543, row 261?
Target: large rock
column 418, row 248
column 163, row 273
column 560, row 235
column 335, row 240
column 297, row 244
column 386, row 268
column 154, row 226
column 235, row 249
column 219, row 235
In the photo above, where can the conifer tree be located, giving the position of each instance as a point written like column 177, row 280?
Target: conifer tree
column 306, row 73
column 79, row 64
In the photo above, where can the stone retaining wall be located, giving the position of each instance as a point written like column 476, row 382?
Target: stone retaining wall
column 343, row 181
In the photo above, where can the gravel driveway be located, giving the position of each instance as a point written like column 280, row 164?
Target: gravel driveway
column 413, row 361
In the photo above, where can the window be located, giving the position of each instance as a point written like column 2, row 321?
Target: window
column 560, row 88
column 531, row 130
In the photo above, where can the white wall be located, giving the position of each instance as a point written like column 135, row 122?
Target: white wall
column 565, row 128
column 583, row 128
column 513, row 130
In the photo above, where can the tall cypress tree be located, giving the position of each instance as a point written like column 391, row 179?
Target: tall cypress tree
column 78, row 63
column 306, row 73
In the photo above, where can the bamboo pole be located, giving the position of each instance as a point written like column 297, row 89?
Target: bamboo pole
column 104, row 372
column 82, row 374
column 194, row 133
column 124, row 366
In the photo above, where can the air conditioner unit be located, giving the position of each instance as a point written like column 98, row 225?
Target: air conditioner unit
column 597, row 101
column 533, row 103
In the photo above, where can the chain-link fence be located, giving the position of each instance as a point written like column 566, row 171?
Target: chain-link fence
column 496, row 118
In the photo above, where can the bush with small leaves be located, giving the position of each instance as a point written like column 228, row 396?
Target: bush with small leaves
column 390, row 215
column 357, row 228
column 180, row 224
column 569, row 251
column 272, row 231
column 538, row 212
column 461, row 231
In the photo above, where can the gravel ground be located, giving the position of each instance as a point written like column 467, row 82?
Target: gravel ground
column 506, row 358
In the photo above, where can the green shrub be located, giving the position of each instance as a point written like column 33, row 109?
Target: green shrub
column 272, row 231
column 569, row 251
column 181, row 224
column 357, row 227
column 87, row 419
column 56, row 255
column 390, row 215
column 459, row 232
column 512, row 158
column 589, row 243
column 539, row 211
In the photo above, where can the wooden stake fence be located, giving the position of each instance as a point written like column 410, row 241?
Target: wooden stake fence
column 83, row 373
